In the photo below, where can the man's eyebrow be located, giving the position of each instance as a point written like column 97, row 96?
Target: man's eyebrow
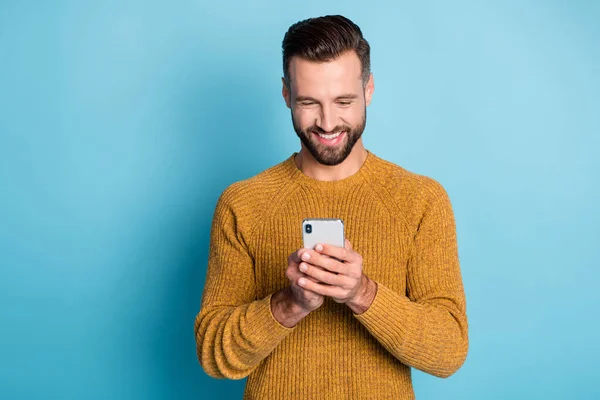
column 347, row 96
column 306, row 98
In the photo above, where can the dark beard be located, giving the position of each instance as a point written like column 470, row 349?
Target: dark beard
column 327, row 155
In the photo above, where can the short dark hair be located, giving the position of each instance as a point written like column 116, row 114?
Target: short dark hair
column 324, row 39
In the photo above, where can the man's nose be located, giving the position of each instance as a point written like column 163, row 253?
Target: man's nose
column 327, row 119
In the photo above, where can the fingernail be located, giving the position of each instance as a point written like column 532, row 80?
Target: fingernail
column 305, row 256
column 318, row 247
column 301, row 281
column 303, row 267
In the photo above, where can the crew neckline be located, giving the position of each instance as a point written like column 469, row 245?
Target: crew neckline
column 351, row 180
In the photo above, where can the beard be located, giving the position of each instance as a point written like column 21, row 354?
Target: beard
column 330, row 155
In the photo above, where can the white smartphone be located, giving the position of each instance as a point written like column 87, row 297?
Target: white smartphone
column 324, row 231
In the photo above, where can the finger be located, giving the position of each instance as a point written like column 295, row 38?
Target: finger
column 341, row 253
column 297, row 256
column 347, row 244
column 325, row 262
column 322, row 275
column 324, row 290
column 310, row 278
column 293, row 273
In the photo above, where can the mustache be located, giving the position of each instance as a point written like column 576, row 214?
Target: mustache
column 339, row 128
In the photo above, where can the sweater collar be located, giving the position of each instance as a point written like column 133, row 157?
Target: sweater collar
column 350, row 181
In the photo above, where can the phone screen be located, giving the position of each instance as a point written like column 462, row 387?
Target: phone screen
column 324, row 231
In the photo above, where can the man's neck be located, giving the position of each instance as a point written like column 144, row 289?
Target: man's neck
column 313, row 169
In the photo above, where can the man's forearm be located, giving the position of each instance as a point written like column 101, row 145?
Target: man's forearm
column 430, row 336
column 285, row 310
column 232, row 340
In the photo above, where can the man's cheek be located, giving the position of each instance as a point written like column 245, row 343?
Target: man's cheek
column 354, row 113
column 304, row 119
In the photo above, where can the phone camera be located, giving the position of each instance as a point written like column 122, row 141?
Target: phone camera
column 308, row 228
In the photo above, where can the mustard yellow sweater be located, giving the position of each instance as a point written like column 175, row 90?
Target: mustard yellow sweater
column 400, row 222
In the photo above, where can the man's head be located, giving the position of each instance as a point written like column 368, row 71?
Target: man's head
column 327, row 84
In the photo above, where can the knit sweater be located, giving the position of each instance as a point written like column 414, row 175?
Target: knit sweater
column 400, row 222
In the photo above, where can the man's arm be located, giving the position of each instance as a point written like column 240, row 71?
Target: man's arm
column 428, row 329
column 234, row 330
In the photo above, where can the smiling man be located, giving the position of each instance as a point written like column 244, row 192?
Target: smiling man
column 332, row 322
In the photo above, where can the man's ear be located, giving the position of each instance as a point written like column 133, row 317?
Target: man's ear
column 369, row 89
column 285, row 91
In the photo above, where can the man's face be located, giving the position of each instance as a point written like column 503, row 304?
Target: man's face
column 328, row 101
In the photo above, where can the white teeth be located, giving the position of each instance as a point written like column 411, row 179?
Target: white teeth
column 330, row 137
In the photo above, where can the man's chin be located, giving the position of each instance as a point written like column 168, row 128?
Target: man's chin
column 329, row 156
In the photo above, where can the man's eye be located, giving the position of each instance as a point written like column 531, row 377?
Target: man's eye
column 307, row 103
column 344, row 103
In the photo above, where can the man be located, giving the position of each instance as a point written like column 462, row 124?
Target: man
column 337, row 323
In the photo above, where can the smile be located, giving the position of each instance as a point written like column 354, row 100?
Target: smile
column 331, row 136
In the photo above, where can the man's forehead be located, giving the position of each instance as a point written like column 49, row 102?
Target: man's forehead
column 345, row 68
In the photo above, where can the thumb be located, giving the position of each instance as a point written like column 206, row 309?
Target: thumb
column 347, row 244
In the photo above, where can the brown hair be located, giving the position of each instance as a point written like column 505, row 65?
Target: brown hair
column 324, row 39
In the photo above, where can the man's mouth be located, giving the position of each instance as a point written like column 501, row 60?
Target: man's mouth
column 331, row 139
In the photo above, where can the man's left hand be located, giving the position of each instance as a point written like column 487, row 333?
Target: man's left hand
column 338, row 271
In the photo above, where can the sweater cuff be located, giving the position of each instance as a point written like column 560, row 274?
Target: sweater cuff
column 272, row 326
column 383, row 312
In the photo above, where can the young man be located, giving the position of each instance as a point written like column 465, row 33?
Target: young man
column 324, row 328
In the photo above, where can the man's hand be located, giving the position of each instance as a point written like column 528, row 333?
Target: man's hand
column 337, row 272
column 304, row 298
column 294, row 302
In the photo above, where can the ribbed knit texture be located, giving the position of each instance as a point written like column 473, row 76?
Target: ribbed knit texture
column 400, row 222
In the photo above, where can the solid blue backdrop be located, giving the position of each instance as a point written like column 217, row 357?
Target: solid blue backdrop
column 122, row 122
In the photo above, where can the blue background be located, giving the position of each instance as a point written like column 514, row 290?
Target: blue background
column 122, row 122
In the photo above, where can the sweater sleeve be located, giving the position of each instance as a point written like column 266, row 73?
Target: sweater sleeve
column 426, row 328
column 234, row 330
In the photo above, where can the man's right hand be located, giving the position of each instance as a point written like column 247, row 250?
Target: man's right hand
column 305, row 299
column 291, row 304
